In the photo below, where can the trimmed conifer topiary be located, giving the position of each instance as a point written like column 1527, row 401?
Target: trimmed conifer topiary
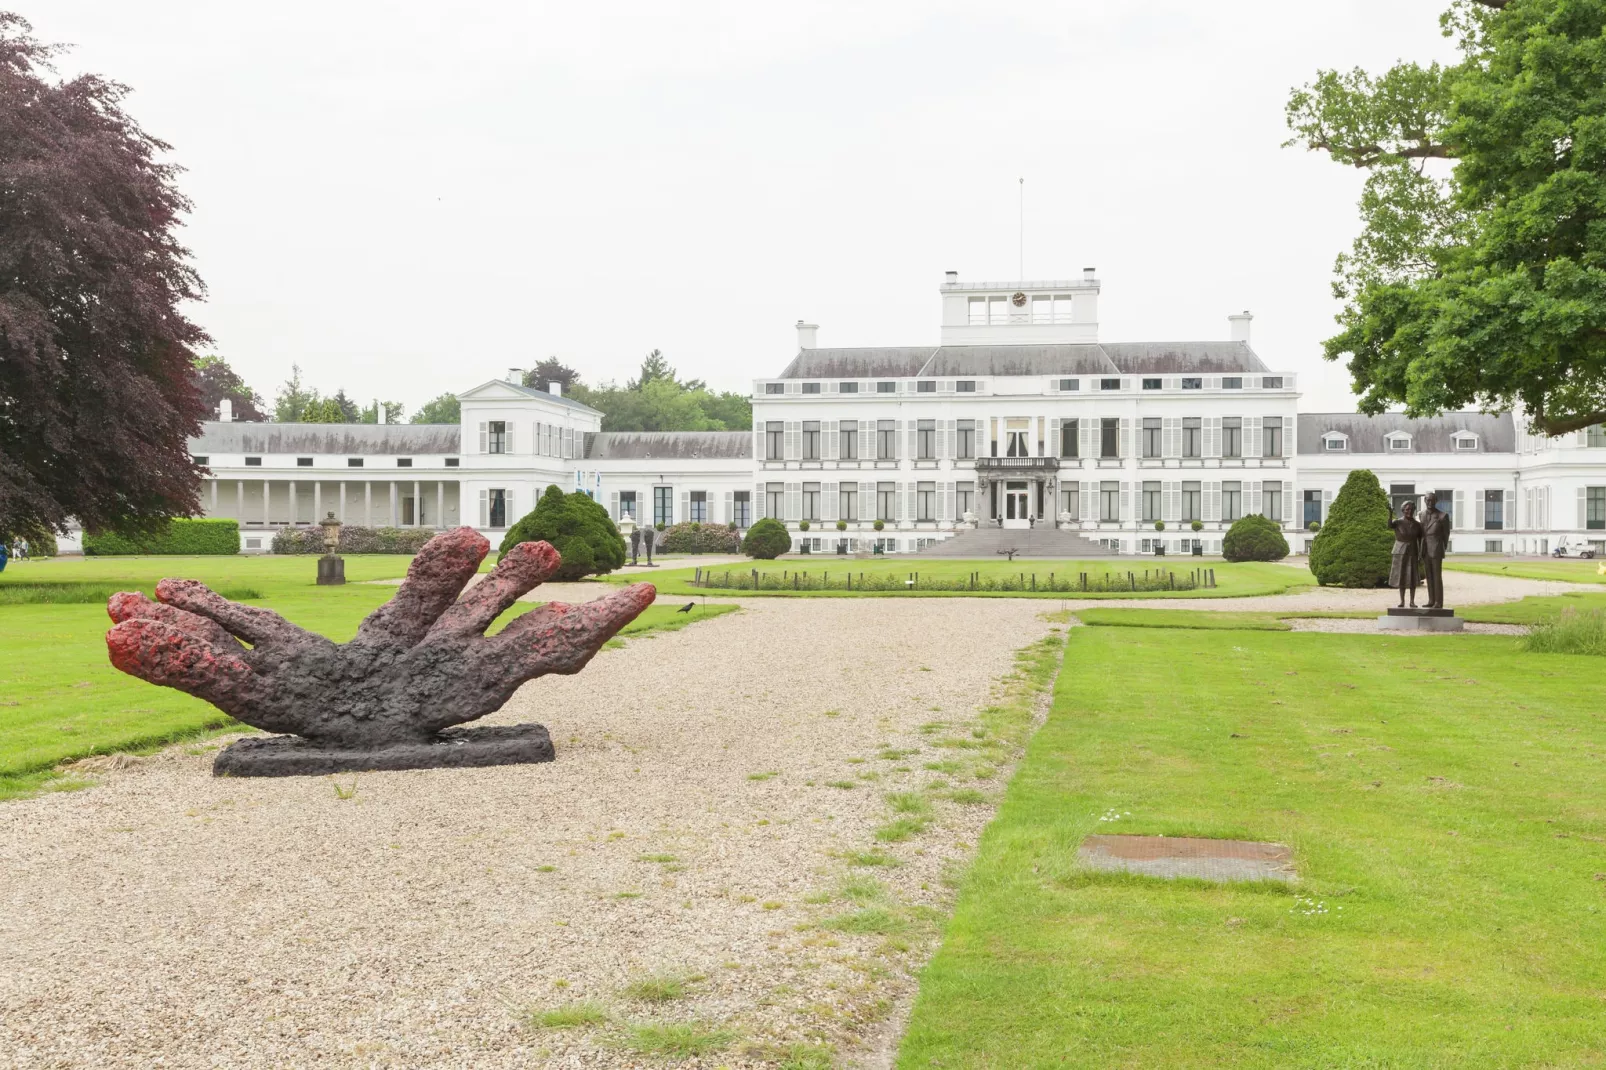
column 1254, row 538
column 1352, row 548
column 582, row 532
column 767, row 539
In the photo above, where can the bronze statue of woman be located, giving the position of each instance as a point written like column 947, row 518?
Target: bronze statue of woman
column 1405, row 568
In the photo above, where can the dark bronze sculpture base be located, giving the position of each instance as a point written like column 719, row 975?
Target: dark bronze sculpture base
column 1419, row 619
column 331, row 571
column 456, row 748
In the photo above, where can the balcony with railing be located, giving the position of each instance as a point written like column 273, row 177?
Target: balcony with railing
column 1018, row 464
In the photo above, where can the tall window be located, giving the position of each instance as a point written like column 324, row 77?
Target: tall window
column 811, row 501
column 1191, row 509
column 1494, row 510
column 699, row 506
column 1232, row 501
column 1192, row 436
column 965, row 498
column 497, row 500
column 1109, row 437
column 1272, row 433
column 1595, row 508
column 886, row 501
column 496, row 438
column 848, row 440
column 741, row 505
column 1313, row 508
column 926, row 439
column 1232, row 436
column 1071, row 500
column 1151, row 501
column 1595, row 435
column 775, row 500
column 967, row 440
column 1109, row 501
column 886, row 440
column 1069, row 446
column 811, row 440
column 627, row 504
column 1446, row 504
column 774, row 440
column 1151, row 437
column 1271, row 501
column 925, row 501
column 847, row 503
column 663, row 505
column 1016, row 444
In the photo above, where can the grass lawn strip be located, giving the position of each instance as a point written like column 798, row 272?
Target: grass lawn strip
column 1533, row 568
column 60, row 699
column 1442, row 802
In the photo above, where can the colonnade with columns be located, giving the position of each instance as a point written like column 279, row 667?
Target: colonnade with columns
column 277, row 503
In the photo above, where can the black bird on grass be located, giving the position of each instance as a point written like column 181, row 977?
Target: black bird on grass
column 686, row 608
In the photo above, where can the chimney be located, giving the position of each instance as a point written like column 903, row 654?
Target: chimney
column 555, row 388
column 1089, row 275
column 805, row 334
column 1240, row 326
column 379, row 407
column 515, row 376
column 225, row 411
column 950, row 278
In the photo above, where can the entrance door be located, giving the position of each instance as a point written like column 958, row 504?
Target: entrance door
column 1015, row 507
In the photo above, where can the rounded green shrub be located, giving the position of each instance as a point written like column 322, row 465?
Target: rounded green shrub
column 578, row 528
column 1352, row 548
column 767, row 539
column 1254, row 538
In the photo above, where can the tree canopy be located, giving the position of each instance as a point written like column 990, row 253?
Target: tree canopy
column 1479, row 276
column 98, row 395
column 297, row 403
column 216, row 381
column 657, row 399
column 445, row 409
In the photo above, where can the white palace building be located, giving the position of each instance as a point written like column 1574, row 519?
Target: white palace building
column 1017, row 416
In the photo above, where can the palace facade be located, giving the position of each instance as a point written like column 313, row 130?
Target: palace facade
column 1017, row 416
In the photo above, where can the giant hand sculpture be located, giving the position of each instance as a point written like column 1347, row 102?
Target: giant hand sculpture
column 388, row 699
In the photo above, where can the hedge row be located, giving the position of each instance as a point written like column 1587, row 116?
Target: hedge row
column 211, row 536
column 354, row 540
column 692, row 537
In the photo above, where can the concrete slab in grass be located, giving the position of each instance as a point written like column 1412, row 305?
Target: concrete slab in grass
column 1182, row 856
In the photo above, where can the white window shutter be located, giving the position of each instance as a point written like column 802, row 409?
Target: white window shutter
column 1212, row 436
column 1253, row 444
column 828, row 428
column 613, row 505
column 945, row 386
column 1327, row 505
column 1125, row 445
column 510, row 513
column 867, row 501
column 794, row 501
column 1054, row 437
column 485, row 502
column 829, row 492
column 758, row 441
column 1290, row 429
column 1090, row 505
column 1254, row 504
column 761, row 501
column 685, row 506
column 914, row 439
column 831, row 388
column 1212, row 501
column 1170, row 501
column 867, row 440
column 729, row 515
column 947, row 507
column 1511, row 510
column 1053, row 386
column 897, row 508
column 912, row 502
column 1171, row 436
column 1129, row 505
column 1583, row 508
column 792, row 442
column 1087, row 428
column 484, row 444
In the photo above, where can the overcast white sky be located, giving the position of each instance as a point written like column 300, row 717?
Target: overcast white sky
column 411, row 197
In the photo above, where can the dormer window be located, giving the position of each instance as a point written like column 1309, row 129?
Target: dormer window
column 1271, row 382
column 1465, row 440
column 1232, row 382
column 774, row 388
column 811, row 388
column 1334, row 442
column 1150, row 384
column 1070, row 384
column 1399, row 442
column 1109, row 384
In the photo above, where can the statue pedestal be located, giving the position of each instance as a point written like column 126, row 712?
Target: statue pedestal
column 455, row 748
column 331, row 571
column 1419, row 620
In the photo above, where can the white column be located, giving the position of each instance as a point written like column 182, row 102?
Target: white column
column 368, row 503
column 393, row 503
column 292, row 503
column 440, row 503
column 418, row 506
column 317, row 501
column 213, row 481
column 239, row 500
column 342, row 513
column 267, row 496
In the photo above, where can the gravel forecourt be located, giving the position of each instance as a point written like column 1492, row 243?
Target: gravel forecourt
column 711, row 786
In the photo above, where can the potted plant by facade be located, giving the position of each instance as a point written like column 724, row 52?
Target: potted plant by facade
column 1197, row 525
column 879, row 524
column 842, row 525
column 802, row 525
column 1159, row 525
column 1314, row 526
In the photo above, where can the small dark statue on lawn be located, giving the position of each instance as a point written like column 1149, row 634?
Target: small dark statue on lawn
column 389, row 699
column 635, row 544
column 649, row 536
column 1405, row 566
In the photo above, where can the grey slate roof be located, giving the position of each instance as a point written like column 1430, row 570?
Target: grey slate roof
column 560, row 399
column 1497, row 432
column 1088, row 358
column 403, row 440
column 669, row 445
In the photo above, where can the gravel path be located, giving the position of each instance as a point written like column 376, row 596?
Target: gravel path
column 1368, row 626
column 169, row 919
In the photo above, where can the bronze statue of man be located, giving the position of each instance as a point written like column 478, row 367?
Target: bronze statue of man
column 1405, row 564
column 1435, row 541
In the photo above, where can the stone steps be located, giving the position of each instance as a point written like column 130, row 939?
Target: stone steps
column 1036, row 543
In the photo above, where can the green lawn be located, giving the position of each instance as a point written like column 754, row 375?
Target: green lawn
column 1443, row 800
column 1232, row 580
column 1533, row 569
column 61, row 699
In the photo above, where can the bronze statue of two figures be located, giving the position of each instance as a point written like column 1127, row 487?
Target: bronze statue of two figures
column 393, row 697
column 1419, row 547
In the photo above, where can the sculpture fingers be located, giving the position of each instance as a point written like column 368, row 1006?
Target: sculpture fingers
column 561, row 638
column 161, row 653
column 252, row 623
column 133, row 605
column 519, row 571
column 438, row 573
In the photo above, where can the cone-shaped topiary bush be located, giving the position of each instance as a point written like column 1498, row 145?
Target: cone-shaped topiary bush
column 1353, row 547
column 577, row 527
column 1254, row 538
column 767, row 539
